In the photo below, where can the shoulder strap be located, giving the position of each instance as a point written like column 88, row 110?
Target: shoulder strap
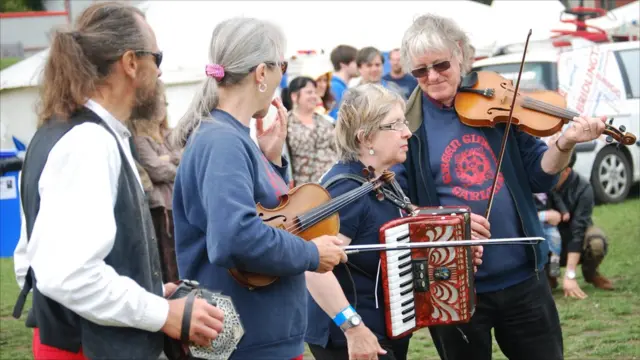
column 398, row 200
column 339, row 177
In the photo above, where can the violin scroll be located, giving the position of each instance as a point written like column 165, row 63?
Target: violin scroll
column 618, row 134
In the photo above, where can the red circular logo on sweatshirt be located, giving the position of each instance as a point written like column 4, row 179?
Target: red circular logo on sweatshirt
column 469, row 166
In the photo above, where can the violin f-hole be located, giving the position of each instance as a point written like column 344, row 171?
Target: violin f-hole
column 284, row 218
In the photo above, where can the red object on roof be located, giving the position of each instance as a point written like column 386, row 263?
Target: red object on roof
column 582, row 28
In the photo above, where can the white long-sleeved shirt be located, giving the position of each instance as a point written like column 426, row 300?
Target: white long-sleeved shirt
column 75, row 231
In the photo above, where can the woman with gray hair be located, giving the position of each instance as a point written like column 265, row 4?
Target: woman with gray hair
column 449, row 163
column 224, row 174
column 371, row 130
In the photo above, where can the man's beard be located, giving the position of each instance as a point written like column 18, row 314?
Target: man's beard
column 146, row 105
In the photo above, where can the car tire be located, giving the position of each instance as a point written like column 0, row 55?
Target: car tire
column 611, row 176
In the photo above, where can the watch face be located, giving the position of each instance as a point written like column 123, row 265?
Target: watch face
column 571, row 274
column 355, row 321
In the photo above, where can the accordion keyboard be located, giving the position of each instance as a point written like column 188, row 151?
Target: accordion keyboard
column 401, row 282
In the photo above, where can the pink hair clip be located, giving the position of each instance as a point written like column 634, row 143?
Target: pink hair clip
column 215, row 71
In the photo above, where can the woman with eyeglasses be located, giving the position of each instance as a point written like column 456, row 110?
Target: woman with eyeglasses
column 449, row 163
column 224, row 174
column 346, row 310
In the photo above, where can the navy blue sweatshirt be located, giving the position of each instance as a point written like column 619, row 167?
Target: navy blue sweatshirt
column 222, row 176
column 463, row 166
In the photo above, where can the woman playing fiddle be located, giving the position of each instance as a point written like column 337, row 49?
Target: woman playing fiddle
column 371, row 131
column 224, row 174
column 450, row 163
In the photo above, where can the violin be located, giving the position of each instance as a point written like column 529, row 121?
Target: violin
column 485, row 98
column 308, row 211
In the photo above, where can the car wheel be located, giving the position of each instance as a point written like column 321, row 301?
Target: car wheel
column 611, row 176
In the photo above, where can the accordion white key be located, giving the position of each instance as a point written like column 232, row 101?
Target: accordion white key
column 428, row 286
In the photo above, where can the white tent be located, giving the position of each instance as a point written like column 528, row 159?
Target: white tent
column 183, row 30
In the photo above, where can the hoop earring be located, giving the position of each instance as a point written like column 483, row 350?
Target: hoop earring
column 262, row 87
column 371, row 152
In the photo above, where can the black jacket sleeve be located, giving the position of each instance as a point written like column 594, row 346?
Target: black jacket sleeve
column 557, row 202
column 581, row 219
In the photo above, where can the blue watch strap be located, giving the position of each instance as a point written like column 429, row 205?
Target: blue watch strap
column 343, row 315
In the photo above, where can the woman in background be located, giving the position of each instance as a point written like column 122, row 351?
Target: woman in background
column 160, row 162
column 310, row 141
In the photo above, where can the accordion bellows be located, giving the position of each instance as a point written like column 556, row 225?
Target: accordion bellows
column 429, row 286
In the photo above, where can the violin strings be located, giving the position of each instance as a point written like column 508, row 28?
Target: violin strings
column 551, row 109
column 554, row 110
column 319, row 213
column 315, row 215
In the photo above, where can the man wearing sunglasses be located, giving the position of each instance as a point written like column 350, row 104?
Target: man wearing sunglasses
column 449, row 163
column 88, row 249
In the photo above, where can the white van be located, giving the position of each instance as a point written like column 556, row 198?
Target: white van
column 597, row 80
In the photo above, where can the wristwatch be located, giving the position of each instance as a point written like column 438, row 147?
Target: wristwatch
column 570, row 274
column 352, row 321
column 347, row 318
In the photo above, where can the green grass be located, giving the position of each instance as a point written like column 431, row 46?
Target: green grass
column 606, row 325
column 6, row 62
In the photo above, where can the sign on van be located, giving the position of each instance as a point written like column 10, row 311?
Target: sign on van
column 591, row 82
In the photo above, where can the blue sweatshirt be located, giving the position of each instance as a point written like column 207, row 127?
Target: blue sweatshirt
column 222, row 176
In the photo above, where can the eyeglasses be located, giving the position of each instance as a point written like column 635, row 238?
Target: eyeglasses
column 424, row 71
column 396, row 126
column 156, row 55
column 283, row 65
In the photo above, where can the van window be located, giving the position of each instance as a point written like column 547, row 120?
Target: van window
column 535, row 75
column 629, row 61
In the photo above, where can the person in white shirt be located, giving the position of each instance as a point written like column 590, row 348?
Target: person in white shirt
column 88, row 250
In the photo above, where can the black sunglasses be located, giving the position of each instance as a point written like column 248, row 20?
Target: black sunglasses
column 424, row 71
column 156, row 55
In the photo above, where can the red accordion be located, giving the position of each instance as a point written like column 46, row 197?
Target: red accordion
column 428, row 286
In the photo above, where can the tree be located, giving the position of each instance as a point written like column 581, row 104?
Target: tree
column 21, row 5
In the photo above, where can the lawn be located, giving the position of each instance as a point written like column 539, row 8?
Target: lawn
column 606, row 325
column 6, row 62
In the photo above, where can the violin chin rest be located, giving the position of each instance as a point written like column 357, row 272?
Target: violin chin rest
column 470, row 80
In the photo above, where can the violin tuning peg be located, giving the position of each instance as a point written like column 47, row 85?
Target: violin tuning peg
column 609, row 139
column 622, row 128
column 611, row 121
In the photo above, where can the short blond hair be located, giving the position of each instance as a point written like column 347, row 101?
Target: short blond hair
column 362, row 110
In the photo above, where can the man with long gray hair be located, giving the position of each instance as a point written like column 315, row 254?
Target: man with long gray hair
column 450, row 163
column 88, row 248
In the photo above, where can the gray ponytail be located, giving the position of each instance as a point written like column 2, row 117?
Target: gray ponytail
column 238, row 45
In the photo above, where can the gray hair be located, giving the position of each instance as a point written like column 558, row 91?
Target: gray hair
column 431, row 32
column 239, row 45
column 362, row 110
